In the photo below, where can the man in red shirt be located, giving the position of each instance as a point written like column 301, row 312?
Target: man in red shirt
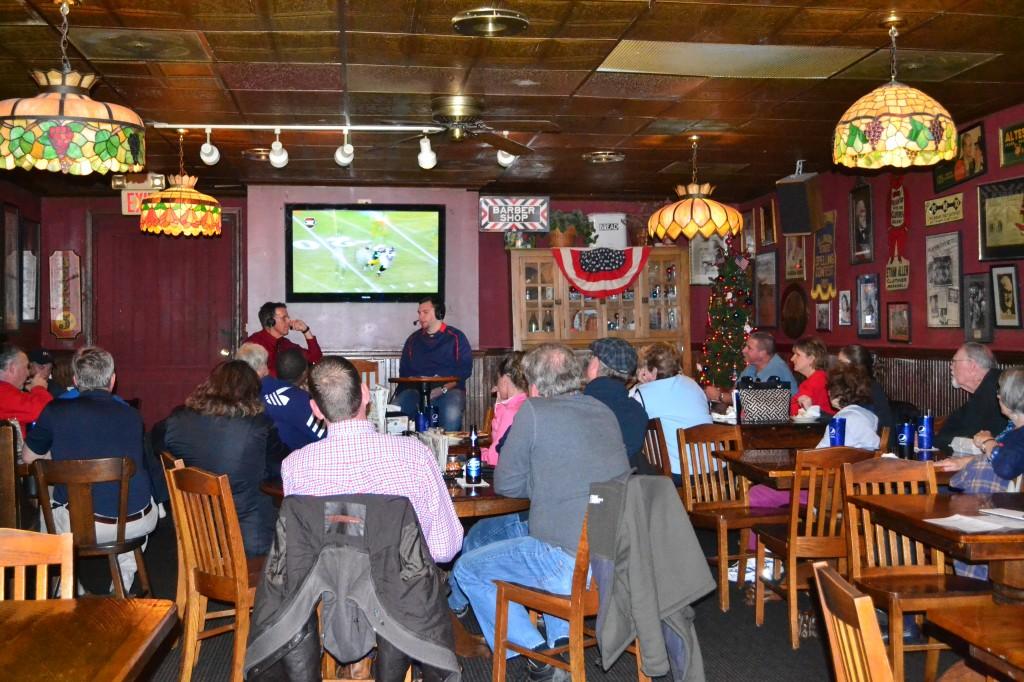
column 276, row 324
column 23, row 405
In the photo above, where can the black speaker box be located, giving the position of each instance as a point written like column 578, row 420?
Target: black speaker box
column 799, row 203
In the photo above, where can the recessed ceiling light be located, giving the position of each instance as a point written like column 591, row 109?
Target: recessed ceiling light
column 604, row 156
column 490, row 22
column 256, row 153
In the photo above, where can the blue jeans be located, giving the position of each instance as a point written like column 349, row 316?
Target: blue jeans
column 449, row 406
column 485, row 532
column 526, row 561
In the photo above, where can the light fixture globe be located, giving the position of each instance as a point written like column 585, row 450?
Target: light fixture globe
column 505, row 159
column 695, row 213
column 181, row 210
column 344, row 154
column 278, row 156
column 64, row 130
column 894, row 125
column 427, row 158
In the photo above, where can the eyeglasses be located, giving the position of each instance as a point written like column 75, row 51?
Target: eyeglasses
column 956, row 360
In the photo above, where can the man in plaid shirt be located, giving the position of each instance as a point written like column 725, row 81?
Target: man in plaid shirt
column 355, row 459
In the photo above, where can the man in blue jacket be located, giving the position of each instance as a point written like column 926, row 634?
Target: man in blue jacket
column 288, row 404
column 436, row 350
column 612, row 363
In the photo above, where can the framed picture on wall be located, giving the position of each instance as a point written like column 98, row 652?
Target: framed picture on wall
column 999, row 213
column 978, row 318
column 862, row 233
column 766, row 291
column 823, row 316
column 749, row 233
column 1005, row 293
column 796, row 258
column 767, row 222
column 29, row 245
column 969, row 162
column 867, row 306
column 845, row 308
column 11, row 268
column 942, row 286
column 898, row 315
column 705, row 257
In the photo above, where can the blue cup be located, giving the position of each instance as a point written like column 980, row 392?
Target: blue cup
column 422, row 421
column 837, row 431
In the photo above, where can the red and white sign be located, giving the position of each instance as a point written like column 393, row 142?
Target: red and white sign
column 65, row 294
column 131, row 200
column 514, row 214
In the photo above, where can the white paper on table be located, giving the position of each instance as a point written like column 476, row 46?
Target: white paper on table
column 968, row 524
column 964, row 446
column 1008, row 513
column 462, row 483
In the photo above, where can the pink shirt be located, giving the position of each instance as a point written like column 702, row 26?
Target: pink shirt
column 504, row 413
column 355, row 459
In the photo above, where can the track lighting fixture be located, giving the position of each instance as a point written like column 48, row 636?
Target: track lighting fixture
column 209, row 154
column 505, row 159
column 427, row 159
column 278, row 154
column 344, row 154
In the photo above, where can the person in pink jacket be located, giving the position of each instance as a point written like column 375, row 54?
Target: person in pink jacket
column 511, row 391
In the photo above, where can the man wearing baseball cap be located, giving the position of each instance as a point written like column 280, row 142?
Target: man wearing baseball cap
column 612, row 363
column 40, row 363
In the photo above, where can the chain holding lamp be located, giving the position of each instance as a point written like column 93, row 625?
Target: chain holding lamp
column 180, row 209
column 63, row 130
column 695, row 212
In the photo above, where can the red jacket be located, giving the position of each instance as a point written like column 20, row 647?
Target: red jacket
column 274, row 345
column 24, row 406
column 814, row 387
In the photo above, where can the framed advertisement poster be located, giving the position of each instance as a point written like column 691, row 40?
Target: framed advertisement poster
column 796, row 258
column 942, row 290
column 969, row 162
column 766, row 291
column 999, row 214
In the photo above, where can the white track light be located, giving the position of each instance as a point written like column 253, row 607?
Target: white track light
column 427, row 159
column 505, row 159
column 344, row 154
column 209, row 154
column 278, row 154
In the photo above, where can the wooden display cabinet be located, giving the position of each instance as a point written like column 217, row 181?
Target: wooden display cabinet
column 546, row 308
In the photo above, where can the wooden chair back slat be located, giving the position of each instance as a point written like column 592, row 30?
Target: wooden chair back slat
column 855, row 640
column 655, row 449
column 369, row 371
column 707, row 479
column 21, row 549
column 819, row 522
column 78, row 476
column 873, row 548
column 8, row 478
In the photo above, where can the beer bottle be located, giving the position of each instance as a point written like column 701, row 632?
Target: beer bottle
column 473, row 463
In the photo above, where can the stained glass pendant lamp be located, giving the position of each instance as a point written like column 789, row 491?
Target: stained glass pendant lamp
column 695, row 212
column 63, row 129
column 180, row 209
column 894, row 125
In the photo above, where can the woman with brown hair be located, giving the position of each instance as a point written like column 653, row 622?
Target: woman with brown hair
column 810, row 357
column 222, row 428
column 849, row 388
column 510, row 390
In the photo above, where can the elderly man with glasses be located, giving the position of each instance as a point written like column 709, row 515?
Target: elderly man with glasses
column 973, row 369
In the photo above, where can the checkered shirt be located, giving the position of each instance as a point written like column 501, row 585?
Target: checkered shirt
column 355, row 459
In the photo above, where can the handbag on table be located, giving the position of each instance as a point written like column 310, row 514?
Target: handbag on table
column 763, row 402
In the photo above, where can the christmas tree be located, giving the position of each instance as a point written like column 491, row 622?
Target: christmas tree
column 728, row 323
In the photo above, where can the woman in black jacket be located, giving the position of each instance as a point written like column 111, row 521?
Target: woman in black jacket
column 223, row 429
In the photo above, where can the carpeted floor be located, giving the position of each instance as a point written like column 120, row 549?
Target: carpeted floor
column 732, row 647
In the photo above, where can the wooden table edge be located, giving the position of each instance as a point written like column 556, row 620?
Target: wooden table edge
column 143, row 656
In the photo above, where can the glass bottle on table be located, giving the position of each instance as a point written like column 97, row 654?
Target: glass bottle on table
column 473, row 462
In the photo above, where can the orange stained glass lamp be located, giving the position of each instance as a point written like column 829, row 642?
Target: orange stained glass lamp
column 64, row 130
column 894, row 125
column 695, row 212
column 180, row 209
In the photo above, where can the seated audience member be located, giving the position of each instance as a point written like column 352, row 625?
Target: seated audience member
column 855, row 354
column 22, row 396
column 223, row 429
column 560, row 442
column 95, row 425
column 62, row 374
column 40, row 361
column 612, row 363
column 256, row 356
column 810, row 357
column 288, row 404
column 354, row 459
column 669, row 395
column 511, row 393
column 276, row 325
column 763, row 363
column 973, row 368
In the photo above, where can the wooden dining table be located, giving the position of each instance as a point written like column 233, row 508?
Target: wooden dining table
column 1002, row 549
column 92, row 638
column 993, row 633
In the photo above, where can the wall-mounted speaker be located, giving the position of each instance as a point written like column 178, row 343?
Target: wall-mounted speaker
column 799, row 203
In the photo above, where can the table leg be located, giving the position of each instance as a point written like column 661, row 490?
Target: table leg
column 1007, row 581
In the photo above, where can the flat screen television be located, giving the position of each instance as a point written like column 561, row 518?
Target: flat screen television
column 363, row 252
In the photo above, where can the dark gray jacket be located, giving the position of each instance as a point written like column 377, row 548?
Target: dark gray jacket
column 365, row 557
column 650, row 568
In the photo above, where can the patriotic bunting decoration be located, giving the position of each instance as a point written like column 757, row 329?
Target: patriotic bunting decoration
column 601, row 272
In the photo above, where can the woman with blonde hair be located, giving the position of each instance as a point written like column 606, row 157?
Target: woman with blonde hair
column 810, row 358
column 510, row 390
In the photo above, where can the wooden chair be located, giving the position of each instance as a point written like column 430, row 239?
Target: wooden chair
column 8, row 478
column 716, row 498
column 181, row 590
column 215, row 563
column 655, row 449
column 812, row 532
column 580, row 603
column 369, row 371
column 79, row 476
column 855, row 641
column 901, row 575
column 20, row 549
column 884, row 434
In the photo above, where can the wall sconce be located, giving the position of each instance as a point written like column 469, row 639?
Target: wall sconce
column 427, row 159
column 209, row 154
column 278, row 154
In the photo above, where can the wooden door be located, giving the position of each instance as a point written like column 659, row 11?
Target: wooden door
column 165, row 307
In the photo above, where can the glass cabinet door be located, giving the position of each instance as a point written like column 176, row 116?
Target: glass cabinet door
column 540, row 318
column 621, row 313
column 583, row 316
column 662, row 296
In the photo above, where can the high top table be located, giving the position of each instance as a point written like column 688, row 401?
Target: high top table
column 423, row 384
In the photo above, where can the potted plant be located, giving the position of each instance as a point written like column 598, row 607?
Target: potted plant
column 569, row 228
